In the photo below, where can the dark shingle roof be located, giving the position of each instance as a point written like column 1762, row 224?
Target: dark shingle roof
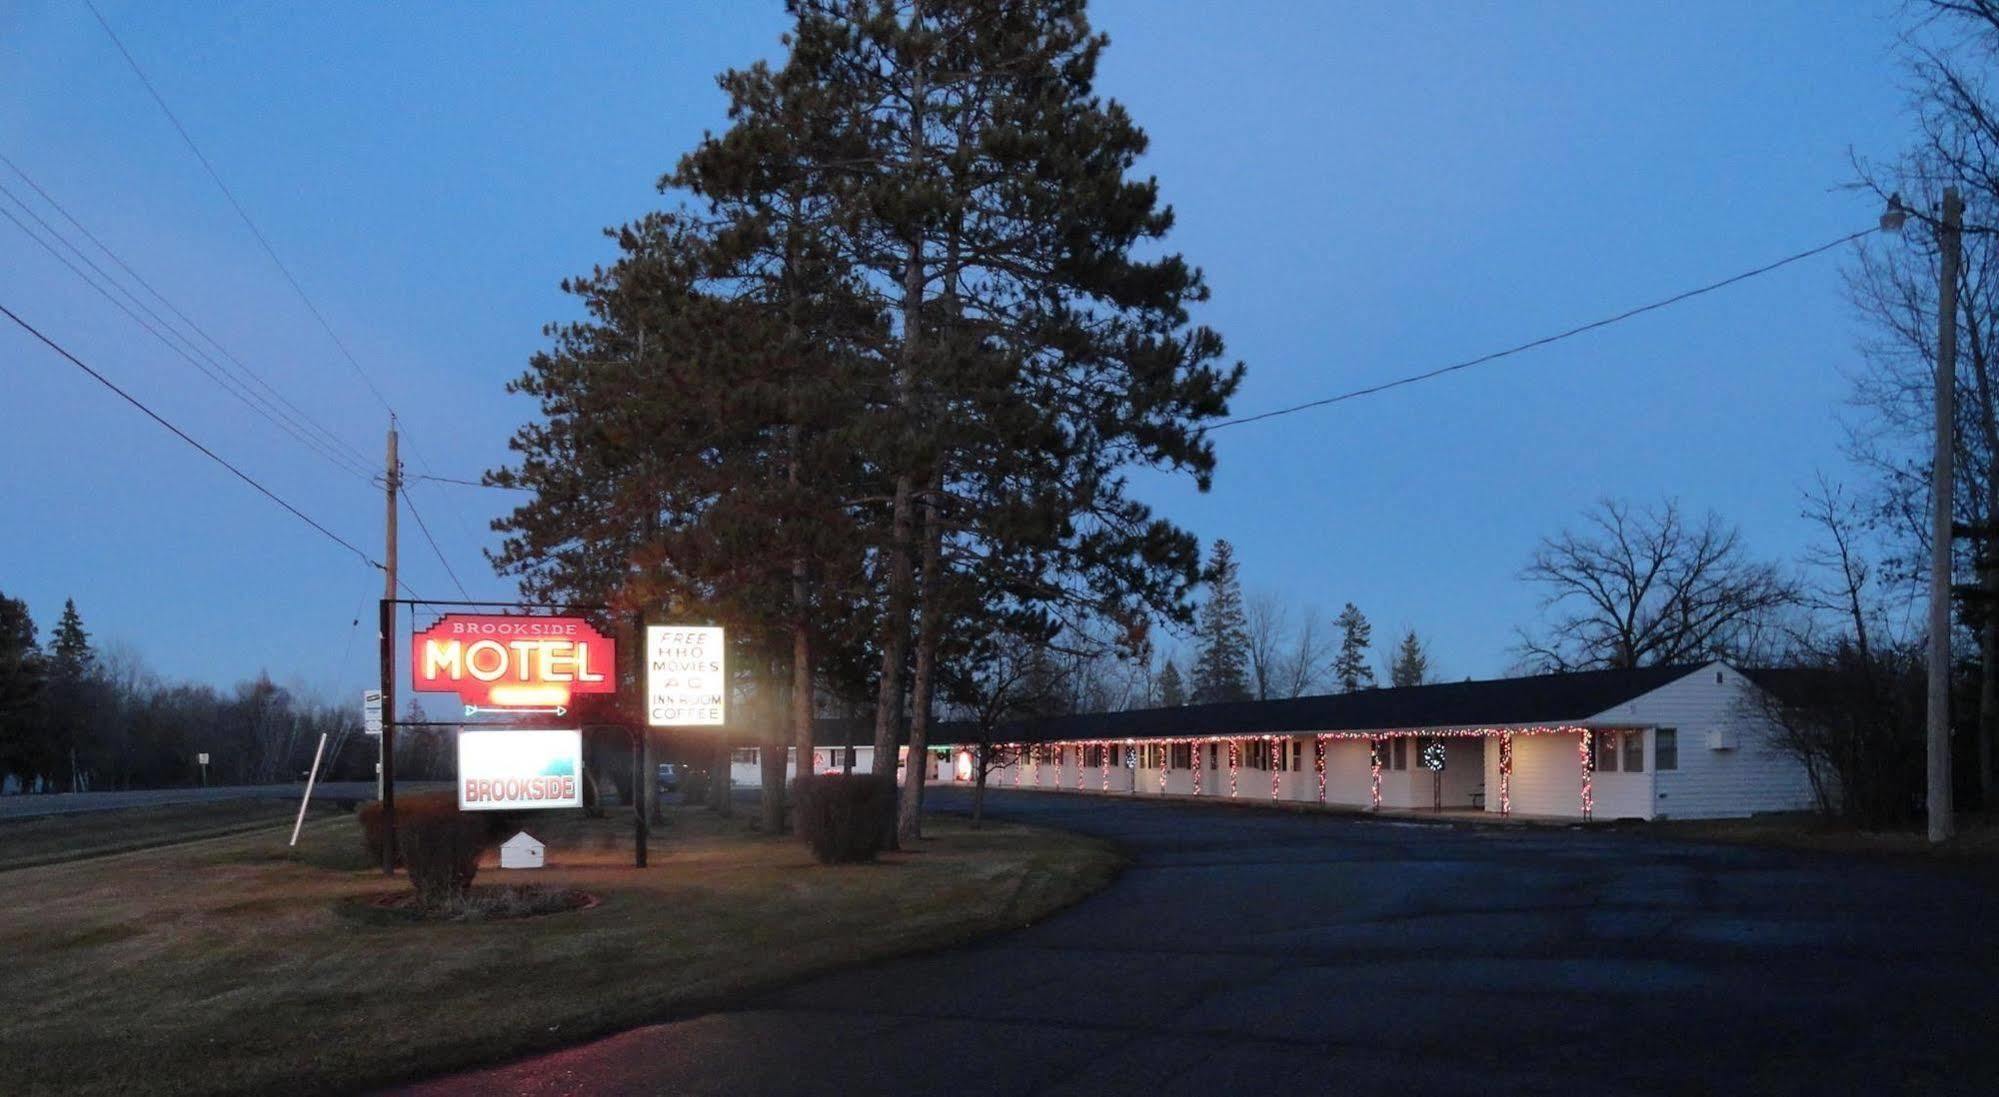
column 1541, row 699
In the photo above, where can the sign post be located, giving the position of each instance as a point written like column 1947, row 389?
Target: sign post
column 202, row 760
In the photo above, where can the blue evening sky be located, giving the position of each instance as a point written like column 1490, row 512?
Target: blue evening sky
column 1373, row 189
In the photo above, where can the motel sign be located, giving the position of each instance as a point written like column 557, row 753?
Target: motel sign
column 513, row 662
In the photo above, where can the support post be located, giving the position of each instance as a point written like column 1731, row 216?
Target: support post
column 310, row 779
column 1938, row 804
column 385, row 769
column 388, row 747
column 641, row 826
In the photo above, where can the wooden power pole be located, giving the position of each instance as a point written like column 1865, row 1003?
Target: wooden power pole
column 1950, row 237
column 392, row 479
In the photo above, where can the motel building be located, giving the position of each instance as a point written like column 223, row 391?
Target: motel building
column 1686, row 742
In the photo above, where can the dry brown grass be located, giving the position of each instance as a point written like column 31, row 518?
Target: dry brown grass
column 231, row 966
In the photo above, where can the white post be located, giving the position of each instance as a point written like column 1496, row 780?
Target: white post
column 309, row 779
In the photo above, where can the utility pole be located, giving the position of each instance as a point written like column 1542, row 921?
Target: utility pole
column 386, row 767
column 1950, row 238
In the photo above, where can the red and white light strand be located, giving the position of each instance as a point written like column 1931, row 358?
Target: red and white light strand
column 1506, row 773
column 1104, row 759
column 1589, row 794
column 1276, row 771
column 1235, row 760
column 1165, row 762
column 1194, row 756
column 1319, row 763
column 1374, row 749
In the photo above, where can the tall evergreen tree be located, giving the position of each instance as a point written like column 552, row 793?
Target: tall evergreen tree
column 1351, row 667
column 1172, row 692
column 69, row 704
column 982, row 204
column 1411, row 665
column 1221, row 668
column 23, row 672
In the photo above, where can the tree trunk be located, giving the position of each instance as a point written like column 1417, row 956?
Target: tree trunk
column 979, row 792
column 801, row 693
column 1988, row 677
column 769, row 713
column 720, row 798
column 910, row 819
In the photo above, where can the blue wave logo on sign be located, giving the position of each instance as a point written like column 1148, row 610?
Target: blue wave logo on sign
column 560, row 767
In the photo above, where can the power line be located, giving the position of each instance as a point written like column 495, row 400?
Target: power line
column 425, row 527
column 227, row 384
column 297, row 413
column 468, row 483
column 238, row 206
column 1547, row 339
column 185, row 437
column 262, row 241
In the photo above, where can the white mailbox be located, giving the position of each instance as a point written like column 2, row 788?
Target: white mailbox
column 521, row 851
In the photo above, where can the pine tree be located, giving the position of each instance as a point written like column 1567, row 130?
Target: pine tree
column 23, row 675
column 977, row 187
column 69, row 704
column 1351, row 667
column 70, row 656
column 1411, row 665
column 1172, row 693
column 1221, row 668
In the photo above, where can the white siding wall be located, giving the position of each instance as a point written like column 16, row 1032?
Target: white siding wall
column 1753, row 776
column 1547, row 776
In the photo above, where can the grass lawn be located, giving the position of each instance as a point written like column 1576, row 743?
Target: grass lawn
column 233, row 965
column 1976, row 846
column 46, row 839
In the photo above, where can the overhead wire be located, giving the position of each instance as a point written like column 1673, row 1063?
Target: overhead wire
column 264, row 242
column 1547, row 339
column 185, row 437
column 213, row 372
column 294, row 412
column 438, row 552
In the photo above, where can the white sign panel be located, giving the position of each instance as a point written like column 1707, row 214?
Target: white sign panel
column 512, row 770
column 371, row 711
column 685, row 682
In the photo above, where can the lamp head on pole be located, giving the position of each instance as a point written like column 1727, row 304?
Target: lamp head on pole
column 1895, row 214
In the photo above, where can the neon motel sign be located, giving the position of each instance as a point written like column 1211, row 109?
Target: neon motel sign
column 513, row 662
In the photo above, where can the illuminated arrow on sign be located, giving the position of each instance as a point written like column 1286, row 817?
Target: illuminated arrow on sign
column 474, row 710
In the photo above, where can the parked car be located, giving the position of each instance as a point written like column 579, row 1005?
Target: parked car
column 669, row 776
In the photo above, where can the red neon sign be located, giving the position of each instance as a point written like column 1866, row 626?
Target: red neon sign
column 493, row 661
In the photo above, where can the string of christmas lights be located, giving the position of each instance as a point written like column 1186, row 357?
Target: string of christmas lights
column 1138, row 754
column 1589, row 794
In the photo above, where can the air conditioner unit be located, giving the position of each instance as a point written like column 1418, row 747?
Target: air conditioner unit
column 1721, row 739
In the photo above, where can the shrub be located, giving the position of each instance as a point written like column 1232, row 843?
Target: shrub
column 408, row 806
column 441, row 852
column 844, row 817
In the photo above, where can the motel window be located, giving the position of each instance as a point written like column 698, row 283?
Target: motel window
column 1666, row 748
column 1634, row 752
column 1603, row 751
column 1214, row 756
column 1401, row 752
column 1183, row 756
column 745, row 756
column 1297, row 754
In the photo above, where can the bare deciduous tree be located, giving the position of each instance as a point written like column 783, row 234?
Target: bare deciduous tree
column 1646, row 587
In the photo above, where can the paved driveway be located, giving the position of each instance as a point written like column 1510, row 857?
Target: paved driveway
column 1268, row 952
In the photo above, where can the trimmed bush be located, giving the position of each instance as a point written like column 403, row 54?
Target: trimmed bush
column 441, row 852
column 408, row 806
column 694, row 786
column 844, row 817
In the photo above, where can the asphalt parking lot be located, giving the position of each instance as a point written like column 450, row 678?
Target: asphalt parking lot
column 1278, row 952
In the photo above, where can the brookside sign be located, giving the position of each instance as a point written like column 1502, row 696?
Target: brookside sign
column 514, row 770
column 513, row 662
column 685, row 682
